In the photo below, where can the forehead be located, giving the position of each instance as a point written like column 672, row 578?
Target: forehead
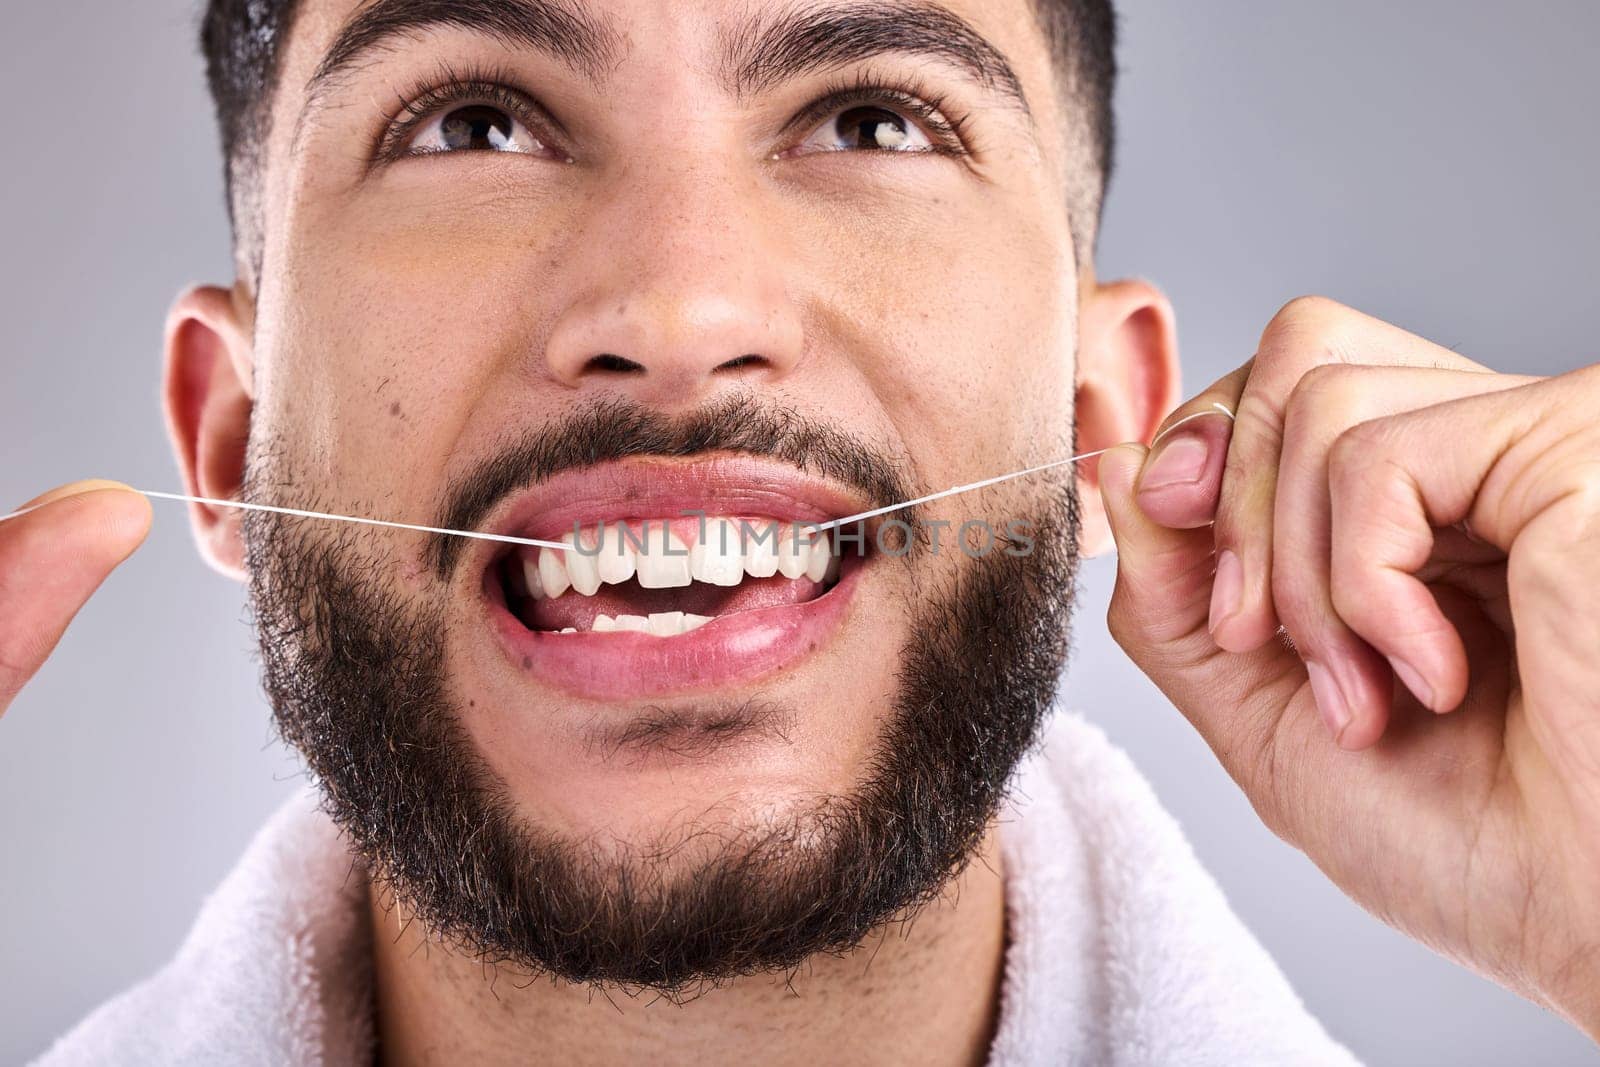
column 617, row 37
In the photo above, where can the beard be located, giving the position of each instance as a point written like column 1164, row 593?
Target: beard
column 358, row 684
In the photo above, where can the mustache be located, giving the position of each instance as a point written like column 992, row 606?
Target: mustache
column 618, row 429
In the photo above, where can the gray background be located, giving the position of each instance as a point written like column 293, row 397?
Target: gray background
column 1431, row 163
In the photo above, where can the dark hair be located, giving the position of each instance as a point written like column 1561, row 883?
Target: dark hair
column 243, row 42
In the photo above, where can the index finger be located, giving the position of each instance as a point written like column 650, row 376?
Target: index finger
column 53, row 556
column 1306, row 334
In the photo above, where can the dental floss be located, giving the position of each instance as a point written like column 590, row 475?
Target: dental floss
column 298, row 513
column 507, row 539
column 1015, row 474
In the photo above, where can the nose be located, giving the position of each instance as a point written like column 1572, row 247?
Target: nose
column 677, row 293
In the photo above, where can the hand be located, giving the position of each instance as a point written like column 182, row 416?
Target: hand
column 51, row 561
column 1402, row 513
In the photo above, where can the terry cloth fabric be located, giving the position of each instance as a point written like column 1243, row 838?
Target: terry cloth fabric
column 1121, row 948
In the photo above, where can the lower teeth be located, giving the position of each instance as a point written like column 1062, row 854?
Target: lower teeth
column 664, row 624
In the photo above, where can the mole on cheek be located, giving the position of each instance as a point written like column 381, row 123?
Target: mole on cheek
column 394, row 409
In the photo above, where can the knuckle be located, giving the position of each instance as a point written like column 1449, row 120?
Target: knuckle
column 1309, row 306
column 1356, row 452
column 1303, row 315
column 1329, row 386
column 1327, row 397
column 1257, row 432
column 1588, row 376
column 1306, row 332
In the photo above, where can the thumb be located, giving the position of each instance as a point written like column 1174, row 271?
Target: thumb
column 1160, row 616
column 53, row 556
column 1163, row 594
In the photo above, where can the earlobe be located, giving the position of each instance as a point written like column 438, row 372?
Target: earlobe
column 209, row 397
column 1127, row 380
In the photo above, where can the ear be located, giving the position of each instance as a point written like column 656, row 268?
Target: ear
column 1127, row 382
column 209, row 394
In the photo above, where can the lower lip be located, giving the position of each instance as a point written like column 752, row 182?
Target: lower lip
column 729, row 651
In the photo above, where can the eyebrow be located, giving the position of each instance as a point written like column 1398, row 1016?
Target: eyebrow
column 765, row 52
column 560, row 29
column 813, row 38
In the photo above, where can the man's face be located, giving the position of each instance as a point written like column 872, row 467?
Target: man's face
column 619, row 262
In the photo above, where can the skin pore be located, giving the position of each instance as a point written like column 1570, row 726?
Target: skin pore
column 417, row 313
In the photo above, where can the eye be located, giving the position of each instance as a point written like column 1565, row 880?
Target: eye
column 473, row 128
column 867, row 128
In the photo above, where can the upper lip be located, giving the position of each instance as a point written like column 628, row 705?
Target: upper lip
column 655, row 488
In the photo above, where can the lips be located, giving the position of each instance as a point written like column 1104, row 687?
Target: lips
column 651, row 600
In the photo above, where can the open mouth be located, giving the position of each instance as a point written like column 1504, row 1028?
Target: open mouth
column 667, row 578
column 655, row 600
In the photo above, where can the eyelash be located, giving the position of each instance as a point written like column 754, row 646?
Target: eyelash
column 423, row 101
column 946, row 128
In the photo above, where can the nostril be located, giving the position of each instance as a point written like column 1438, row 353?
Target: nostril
column 608, row 363
column 741, row 363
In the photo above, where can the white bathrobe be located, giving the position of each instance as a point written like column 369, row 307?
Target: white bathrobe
column 1122, row 949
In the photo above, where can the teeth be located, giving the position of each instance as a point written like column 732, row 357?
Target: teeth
column 552, row 578
column 618, row 561
column 761, row 554
column 583, row 566
column 717, row 558
column 613, row 554
column 821, row 559
column 793, row 554
column 664, row 563
column 605, row 624
column 675, row 623
column 663, row 624
column 666, row 624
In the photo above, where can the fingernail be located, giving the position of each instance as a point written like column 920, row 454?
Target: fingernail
column 1330, row 702
column 1181, row 461
column 1412, row 679
column 1227, row 589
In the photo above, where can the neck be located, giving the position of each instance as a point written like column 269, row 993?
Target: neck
column 925, row 991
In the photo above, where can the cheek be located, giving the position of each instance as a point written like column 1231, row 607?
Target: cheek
column 968, row 309
column 398, row 333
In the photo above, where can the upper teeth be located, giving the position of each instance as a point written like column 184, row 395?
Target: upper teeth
column 659, row 559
